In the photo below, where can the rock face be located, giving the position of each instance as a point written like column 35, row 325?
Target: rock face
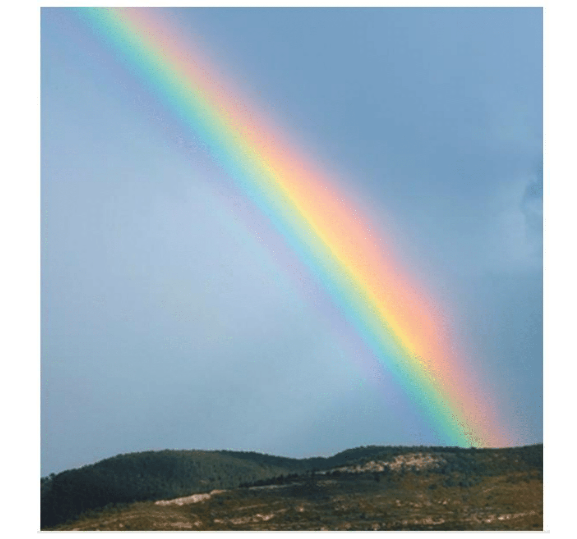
column 415, row 461
column 195, row 498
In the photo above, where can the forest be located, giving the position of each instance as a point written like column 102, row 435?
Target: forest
column 156, row 475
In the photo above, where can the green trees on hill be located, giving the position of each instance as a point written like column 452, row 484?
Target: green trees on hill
column 150, row 476
column 155, row 475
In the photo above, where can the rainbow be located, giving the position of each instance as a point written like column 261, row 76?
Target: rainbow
column 317, row 220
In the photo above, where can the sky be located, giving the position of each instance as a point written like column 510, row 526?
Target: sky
column 169, row 318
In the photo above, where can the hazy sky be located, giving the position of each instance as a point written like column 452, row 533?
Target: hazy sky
column 166, row 322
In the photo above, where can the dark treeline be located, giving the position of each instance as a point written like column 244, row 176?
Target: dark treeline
column 155, row 475
column 152, row 475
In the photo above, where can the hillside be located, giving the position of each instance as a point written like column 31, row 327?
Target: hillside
column 363, row 488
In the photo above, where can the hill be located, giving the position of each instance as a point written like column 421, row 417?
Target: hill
column 363, row 488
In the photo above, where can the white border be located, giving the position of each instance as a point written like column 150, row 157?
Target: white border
column 20, row 241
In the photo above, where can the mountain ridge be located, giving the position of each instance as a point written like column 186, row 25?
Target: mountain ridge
column 150, row 476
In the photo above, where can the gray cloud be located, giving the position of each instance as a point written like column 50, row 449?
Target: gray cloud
column 532, row 208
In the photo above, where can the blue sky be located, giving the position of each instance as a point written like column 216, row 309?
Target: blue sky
column 165, row 322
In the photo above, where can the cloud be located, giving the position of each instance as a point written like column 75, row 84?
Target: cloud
column 516, row 237
column 532, row 208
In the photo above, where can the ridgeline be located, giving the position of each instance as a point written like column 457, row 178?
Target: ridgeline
column 113, row 484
